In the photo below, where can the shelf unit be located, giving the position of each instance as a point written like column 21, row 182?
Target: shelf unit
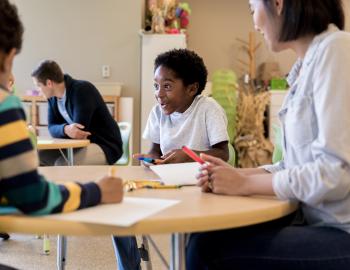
column 36, row 111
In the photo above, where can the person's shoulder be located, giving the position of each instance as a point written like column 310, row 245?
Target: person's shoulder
column 208, row 103
column 336, row 39
column 8, row 99
column 3, row 95
column 156, row 111
column 80, row 86
column 70, row 81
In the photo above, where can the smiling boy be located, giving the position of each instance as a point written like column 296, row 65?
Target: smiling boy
column 183, row 116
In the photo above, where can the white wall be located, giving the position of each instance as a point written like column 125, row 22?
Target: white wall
column 214, row 27
column 83, row 35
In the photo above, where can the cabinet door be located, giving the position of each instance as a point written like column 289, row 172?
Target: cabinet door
column 152, row 46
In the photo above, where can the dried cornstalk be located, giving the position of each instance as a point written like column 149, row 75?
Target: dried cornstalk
column 252, row 146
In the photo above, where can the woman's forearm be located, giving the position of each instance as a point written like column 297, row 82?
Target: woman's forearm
column 259, row 184
column 252, row 171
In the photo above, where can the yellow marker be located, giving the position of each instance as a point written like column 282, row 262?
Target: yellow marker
column 112, row 171
column 163, row 187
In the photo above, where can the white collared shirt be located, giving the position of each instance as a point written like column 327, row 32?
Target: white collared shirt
column 315, row 118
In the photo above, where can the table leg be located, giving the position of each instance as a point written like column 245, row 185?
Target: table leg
column 61, row 252
column 46, row 245
column 70, row 155
column 177, row 252
column 62, row 240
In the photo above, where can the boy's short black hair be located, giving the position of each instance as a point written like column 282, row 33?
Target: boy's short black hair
column 307, row 17
column 187, row 66
column 48, row 70
column 11, row 28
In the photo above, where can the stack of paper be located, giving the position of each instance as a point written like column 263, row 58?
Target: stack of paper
column 178, row 173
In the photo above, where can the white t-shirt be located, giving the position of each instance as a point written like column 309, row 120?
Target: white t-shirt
column 201, row 126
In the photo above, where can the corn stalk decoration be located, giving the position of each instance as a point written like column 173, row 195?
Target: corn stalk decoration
column 253, row 149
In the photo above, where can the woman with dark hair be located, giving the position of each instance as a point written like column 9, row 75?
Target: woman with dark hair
column 315, row 170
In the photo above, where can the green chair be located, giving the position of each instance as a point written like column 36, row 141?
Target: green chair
column 224, row 91
column 232, row 155
column 125, row 132
column 277, row 154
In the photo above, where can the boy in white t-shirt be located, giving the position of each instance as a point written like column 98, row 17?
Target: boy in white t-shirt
column 181, row 117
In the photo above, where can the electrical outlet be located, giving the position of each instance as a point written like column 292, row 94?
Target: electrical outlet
column 106, row 72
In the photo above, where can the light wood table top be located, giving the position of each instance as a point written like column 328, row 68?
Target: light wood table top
column 49, row 143
column 196, row 212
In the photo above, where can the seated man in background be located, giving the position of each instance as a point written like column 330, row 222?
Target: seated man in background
column 76, row 110
column 21, row 185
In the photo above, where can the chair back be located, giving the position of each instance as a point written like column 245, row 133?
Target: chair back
column 125, row 132
column 277, row 154
column 231, row 155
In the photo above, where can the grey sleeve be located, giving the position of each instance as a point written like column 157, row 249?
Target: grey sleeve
column 216, row 123
column 152, row 130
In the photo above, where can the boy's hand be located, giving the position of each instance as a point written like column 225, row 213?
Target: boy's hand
column 139, row 156
column 111, row 189
column 176, row 156
column 75, row 131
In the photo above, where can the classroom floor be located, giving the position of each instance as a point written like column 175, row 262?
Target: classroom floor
column 24, row 252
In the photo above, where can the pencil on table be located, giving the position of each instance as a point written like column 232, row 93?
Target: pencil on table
column 163, row 187
column 112, row 171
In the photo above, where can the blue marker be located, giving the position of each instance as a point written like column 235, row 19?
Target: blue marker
column 148, row 160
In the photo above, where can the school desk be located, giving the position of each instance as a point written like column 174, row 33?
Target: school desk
column 48, row 143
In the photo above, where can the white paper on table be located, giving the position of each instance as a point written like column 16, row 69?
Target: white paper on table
column 178, row 173
column 124, row 214
column 46, row 141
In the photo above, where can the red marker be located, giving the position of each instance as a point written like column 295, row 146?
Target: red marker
column 192, row 154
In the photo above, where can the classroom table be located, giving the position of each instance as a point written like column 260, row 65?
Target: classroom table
column 196, row 211
column 49, row 143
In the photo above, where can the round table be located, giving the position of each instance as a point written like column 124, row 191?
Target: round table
column 195, row 212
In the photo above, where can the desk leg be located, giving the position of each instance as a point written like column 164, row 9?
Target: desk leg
column 61, row 252
column 70, row 155
column 62, row 240
column 177, row 251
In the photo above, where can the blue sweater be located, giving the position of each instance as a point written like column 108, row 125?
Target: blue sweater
column 85, row 106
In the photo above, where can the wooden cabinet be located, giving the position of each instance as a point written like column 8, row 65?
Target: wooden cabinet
column 36, row 111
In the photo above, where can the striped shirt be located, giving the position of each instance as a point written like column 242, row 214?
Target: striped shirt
column 20, row 183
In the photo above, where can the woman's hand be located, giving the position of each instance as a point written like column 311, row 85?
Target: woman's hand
column 219, row 177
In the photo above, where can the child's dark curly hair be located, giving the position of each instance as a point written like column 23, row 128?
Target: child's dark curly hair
column 187, row 66
column 11, row 28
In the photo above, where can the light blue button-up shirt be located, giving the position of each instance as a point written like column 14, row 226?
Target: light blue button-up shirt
column 61, row 104
column 315, row 119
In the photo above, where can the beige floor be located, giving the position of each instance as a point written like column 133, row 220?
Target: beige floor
column 24, row 252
